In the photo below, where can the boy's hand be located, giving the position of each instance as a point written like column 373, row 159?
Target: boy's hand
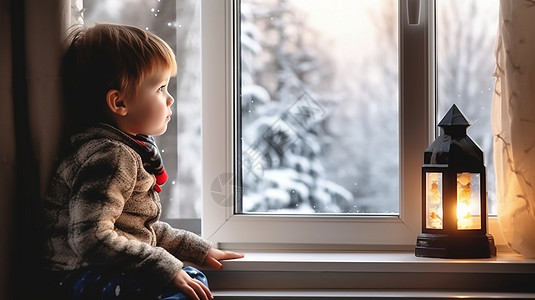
column 191, row 287
column 215, row 256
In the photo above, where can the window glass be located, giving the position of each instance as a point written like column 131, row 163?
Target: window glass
column 434, row 203
column 319, row 107
column 468, row 201
column 465, row 37
column 178, row 23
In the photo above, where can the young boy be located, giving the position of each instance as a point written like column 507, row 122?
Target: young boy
column 103, row 237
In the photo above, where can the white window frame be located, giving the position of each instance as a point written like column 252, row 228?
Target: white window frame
column 417, row 128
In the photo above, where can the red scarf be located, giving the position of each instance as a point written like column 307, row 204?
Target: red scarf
column 152, row 160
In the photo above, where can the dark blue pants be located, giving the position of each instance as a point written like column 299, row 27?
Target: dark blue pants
column 93, row 284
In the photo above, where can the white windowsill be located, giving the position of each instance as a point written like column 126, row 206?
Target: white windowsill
column 360, row 294
column 504, row 262
column 357, row 274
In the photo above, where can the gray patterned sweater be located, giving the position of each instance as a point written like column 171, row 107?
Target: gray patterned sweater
column 101, row 210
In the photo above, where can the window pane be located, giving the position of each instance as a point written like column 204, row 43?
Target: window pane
column 468, row 201
column 319, row 106
column 465, row 36
column 178, row 23
column 434, row 206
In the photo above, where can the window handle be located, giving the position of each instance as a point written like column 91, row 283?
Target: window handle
column 413, row 12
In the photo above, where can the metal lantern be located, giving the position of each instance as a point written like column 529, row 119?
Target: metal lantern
column 454, row 195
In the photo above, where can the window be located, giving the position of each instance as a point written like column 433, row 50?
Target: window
column 230, row 92
column 319, row 107
column 220, row 92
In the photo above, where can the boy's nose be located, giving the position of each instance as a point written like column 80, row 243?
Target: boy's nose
column 170, row 100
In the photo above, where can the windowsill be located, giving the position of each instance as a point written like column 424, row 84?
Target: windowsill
column 363, row 271
column 504, row 262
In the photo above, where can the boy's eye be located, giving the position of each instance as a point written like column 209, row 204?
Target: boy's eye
column 161, row 89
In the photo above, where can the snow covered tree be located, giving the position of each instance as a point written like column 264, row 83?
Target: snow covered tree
column 284, row 114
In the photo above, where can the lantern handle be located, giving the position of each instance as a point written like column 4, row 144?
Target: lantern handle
column 413, row 12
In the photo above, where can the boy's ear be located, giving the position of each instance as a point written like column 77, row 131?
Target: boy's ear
column 116, row 102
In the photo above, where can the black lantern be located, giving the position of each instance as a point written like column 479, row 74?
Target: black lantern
column 454, row 206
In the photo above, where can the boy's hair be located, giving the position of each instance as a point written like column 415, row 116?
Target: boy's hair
column 105, row 57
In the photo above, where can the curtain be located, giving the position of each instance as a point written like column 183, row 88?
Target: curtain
column 31, row 44
column 513, row 121
column 7, row 147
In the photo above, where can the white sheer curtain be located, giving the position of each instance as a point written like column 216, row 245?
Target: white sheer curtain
column 513, row 120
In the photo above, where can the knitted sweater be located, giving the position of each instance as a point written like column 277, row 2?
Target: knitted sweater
column 102, row 211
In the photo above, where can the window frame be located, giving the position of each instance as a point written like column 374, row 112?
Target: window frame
column 220, row 89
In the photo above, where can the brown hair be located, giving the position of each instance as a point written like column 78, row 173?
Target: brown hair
column 105, row 57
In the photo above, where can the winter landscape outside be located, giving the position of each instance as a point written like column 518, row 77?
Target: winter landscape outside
column 319, row 98
column 319, row 106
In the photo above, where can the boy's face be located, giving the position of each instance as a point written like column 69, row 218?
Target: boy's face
column 149, row 109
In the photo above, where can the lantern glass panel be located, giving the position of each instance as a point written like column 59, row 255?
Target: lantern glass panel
column 434, row 206
column 468, row 201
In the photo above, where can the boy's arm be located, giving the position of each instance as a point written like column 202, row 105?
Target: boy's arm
column 181, row 243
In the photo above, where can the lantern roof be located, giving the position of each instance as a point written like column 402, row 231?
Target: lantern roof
column 454, row 122
column 454, row 117
column 454, row 146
